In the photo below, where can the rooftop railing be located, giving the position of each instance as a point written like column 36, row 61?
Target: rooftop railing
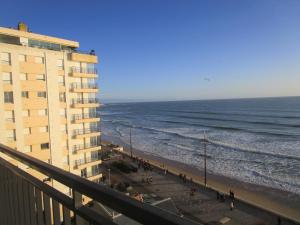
column 84, row 70
column 27, row 200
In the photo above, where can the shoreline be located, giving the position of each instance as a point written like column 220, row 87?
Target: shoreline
column 279, row 202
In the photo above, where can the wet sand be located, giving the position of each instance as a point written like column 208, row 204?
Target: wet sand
column 279, row 202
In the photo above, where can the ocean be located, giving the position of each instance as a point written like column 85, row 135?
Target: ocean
column 253, row 140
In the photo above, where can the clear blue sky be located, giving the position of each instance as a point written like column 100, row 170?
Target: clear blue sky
column 178, row 49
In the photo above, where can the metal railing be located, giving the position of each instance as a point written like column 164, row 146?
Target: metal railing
column 83, row 86
column 86, row 131
column 84, row 100
column 84, row 116
column 84, row 70
column 24, row 199
column 83, row 161
column 10, row 119
column 92, row 173
column 77, row 148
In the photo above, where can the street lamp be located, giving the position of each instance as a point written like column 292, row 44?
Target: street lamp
column 130, row 141
column 108, row 177
column 205, row 141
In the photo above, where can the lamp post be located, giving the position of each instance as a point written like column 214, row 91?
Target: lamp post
column 130, row 141
column 108, row 177
column 205, row 145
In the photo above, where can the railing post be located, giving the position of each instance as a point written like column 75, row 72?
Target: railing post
column 77, row 202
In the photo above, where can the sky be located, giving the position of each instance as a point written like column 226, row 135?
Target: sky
column 158, row 50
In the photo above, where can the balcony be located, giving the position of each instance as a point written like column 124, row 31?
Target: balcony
column 84, row 72
column 10, row 120
column 85, row 102
column 88, row 132
column 27, row 200
column 84, row 57
column 81, row 163
column 85, row 118
column 85, row 147
column 92, row 173
column 84, row 87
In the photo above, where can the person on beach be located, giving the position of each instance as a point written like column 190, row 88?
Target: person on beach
column 231, row 205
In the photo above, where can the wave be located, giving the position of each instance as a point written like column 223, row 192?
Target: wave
column 236, row 114
column 211, row 141
column 230, row 128
column 237, row 120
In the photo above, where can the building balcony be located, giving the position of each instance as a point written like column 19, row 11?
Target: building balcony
column 85, row 118
column 88, row 132
column 92, row 174
column 84, row 87
column 84, row 72
column 88, row 57
column 85, row 102
column 86, row 148
column 25, row 199
column 10, row 120
column 86, row 162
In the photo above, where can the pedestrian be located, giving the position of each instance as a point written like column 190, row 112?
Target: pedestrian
column 231, row 205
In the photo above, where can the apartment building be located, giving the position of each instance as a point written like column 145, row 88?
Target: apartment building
column 48, row 101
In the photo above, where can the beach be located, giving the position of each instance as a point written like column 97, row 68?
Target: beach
column 278, row 202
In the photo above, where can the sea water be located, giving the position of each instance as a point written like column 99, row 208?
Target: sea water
column 254, row 140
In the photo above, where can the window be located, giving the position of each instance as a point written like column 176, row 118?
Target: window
column 62, row 97
column 63, row 112
column 6, row 77
column 28, row 148
column 23, row 76
column 39, row 60
column 22, row 58
column 61, row 80
column 27, row 130
column 40, row 77
column 60, row 64
column 45, row 146
column 9, row 116
column 8, row 97
column 5, row 58
column 43, row 112
column 11, row 135
column 25, row 113
column 42, row 94
column 44, row 129
column 63, row 128
column 25, row 94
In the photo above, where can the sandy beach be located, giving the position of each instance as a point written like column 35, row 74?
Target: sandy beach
column 281, row 203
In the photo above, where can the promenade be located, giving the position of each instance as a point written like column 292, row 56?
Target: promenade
column 203, row 206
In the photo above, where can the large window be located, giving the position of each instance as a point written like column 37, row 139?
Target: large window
column 40, row 77
column 5, row 58
column 60, row 64
column 42, row 112
column 45, row 146
column 62, row 97
column 11, row 135
column 42, row 94
column 23, row 76
column 42, row 44
column 6, row 78
column 25, row 94
column 22, row 58
column 8, row 97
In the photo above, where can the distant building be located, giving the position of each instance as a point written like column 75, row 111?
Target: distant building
column 48, row 101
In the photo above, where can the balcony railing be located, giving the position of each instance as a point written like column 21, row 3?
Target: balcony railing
column 12, row 120
column 84, row 70
column 83, row 86
column 77, row 148
column 84, row 116
column 83, row 161
column 84, row 101
column 92, row 173
column 86, row 131
column 27, row 200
